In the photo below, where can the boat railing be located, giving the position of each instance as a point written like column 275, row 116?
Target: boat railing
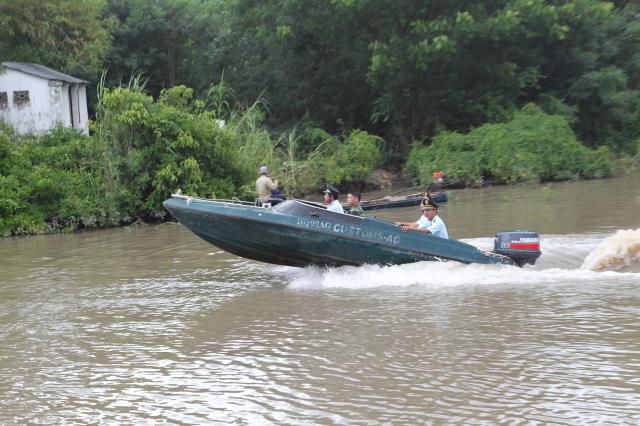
column 191, row 198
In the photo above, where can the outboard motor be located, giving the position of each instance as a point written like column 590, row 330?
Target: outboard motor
column 521, row 246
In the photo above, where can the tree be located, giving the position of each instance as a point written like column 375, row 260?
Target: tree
column 456, row 65
column 166, row 40
column 307, row 58
column 70, row 35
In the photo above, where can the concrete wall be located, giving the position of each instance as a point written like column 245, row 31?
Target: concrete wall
column 48, row 103
column 80, row 118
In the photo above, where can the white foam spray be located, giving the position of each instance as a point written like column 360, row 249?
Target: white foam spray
column 620, row 250
column 560, row 263
column 435, row 275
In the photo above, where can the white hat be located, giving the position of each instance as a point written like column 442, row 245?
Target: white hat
column 264, row 170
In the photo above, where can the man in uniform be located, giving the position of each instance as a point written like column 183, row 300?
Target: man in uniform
column 264, row 184
column 429, row 222
column 353, row 198
column 331, row 195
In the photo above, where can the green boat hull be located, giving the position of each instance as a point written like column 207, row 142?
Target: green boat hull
column 296, row 233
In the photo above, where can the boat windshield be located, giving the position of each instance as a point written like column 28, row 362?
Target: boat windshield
column 316, row 210
column 296, row 206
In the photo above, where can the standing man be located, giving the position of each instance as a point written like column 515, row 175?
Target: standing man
column 264, row 184
column 331, row 195
column 429, row 222
column 353, row 198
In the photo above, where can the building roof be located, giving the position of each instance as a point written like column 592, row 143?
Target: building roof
column 42, row 71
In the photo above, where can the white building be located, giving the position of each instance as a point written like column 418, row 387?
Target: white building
column 34, row 98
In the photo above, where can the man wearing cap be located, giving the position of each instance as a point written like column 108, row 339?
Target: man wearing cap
column 429, row 222
column 331, row 195
column 264, row 184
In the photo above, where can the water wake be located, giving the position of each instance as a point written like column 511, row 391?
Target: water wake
column 566, row 259
column 441, row 275
column 618, row 251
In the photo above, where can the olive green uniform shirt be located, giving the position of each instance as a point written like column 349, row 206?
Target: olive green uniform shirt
column 356, row 210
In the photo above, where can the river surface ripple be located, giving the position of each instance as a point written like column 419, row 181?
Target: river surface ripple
column 151, row 325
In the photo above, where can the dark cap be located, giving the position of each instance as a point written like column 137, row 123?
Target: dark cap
column 428, row 203
column 330, row 189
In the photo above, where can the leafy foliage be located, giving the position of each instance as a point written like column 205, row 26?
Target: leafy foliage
column 407, row 70
column 533, row 146
column 144, row 149
column 609, row 113
column 401, row 69
column 165, row 40
column 340, row 160
column 50, row 183
column 151, row 148
column 306, row 57
column 65, row 34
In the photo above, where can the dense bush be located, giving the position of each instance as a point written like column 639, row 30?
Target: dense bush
column 156, row 147
column 143, row 149
column 343, row 160
column 152, row 148
column 533, row 146
column 50, row 183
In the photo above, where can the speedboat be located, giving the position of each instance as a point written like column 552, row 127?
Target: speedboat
column 301, row 233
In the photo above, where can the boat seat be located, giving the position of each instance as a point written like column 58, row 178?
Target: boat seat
column 259, row 203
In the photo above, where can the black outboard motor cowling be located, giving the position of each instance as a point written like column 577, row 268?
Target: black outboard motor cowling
column 521, row 246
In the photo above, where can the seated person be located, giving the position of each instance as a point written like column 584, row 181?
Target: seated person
column 429, row 222
column 276, row 197
column 353, row 198
column 331, row 195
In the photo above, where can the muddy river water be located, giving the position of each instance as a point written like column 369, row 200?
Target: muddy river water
column 151, row 325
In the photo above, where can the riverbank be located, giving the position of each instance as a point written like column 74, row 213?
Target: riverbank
column 511, row 197
column 142, row 149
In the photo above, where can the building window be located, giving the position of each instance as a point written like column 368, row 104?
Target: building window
column 21, row 96
column 4, row 100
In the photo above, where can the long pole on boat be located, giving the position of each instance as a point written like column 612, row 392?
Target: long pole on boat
column 394, row 193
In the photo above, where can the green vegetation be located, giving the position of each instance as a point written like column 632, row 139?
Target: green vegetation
column 494, row 91
column 70, row 35
column 143, row 149
column 50, row 183
column 150, row 148
column 341, row 160
column 533, row 146
column 400, row 69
